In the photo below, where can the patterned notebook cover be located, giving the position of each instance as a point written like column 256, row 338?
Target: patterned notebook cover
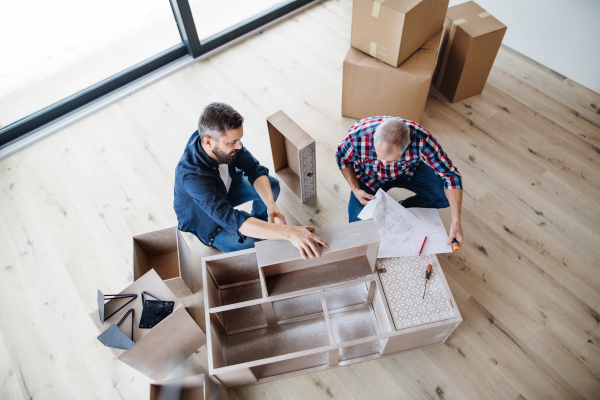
column 403, row 285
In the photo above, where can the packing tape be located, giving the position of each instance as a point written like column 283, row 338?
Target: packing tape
column 373, row 49
column 484, row 14
column 447, row 52
column 376, row 8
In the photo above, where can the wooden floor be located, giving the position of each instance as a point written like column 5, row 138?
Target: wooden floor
column 527, row 280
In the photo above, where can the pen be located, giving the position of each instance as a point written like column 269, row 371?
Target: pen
column 423, row 245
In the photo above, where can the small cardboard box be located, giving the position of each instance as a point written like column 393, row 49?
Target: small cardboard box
column 293, row 155
column 166, row 252
column 372, row 88
column 197, row 387
column 159, row 350
column 392, row 30
column 470, row 42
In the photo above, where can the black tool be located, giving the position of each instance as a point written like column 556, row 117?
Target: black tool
column 429, row 266
column 103, row 297
column 115, row 337
column 154, row 311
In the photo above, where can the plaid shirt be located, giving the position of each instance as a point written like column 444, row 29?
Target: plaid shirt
column 358, row 150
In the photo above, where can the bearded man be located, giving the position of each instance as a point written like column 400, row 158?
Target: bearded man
column 215, row 174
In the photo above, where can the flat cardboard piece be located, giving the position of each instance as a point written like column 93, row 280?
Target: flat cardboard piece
column 371, row 87
column 393, row 30
column 294, row 155
column 197, row 387
column 158, row 350
column 166, row 252
column 473, row 48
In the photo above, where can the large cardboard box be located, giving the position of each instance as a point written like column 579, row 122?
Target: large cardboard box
column 372, row 88
column 197, row 387
column 294, row 155
column 159, row 350
column 166, row 252
column 392, row 30
column 470, row 42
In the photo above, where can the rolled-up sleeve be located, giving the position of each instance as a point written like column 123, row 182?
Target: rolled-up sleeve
column 204, row 192
column 437, row 159
column 345, row 155
column 250, row 165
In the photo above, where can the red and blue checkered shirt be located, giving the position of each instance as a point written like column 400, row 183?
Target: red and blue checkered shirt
column 357, row 150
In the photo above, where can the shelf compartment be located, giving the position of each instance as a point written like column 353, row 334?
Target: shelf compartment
column 351, row 254
column 276, row 340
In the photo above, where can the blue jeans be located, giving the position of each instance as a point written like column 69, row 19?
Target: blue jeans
column 428, row 188
column 240, row 192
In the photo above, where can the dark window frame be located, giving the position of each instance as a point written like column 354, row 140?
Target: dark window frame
column 191, row 45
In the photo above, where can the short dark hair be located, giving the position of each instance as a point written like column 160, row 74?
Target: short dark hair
column 218, row 118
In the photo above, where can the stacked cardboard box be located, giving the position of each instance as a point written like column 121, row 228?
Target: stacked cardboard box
column 471, row 40
column 403, row 34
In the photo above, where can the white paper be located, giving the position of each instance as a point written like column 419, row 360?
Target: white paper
column 419, row 222
column 393, row 221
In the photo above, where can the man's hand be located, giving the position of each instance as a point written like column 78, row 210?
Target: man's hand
column 363, row 196
column 275, row 216
column 306, row 242
column 455, row 232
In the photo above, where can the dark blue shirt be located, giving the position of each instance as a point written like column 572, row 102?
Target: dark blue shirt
column 201, row 196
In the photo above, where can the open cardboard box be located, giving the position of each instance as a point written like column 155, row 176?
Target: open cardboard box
column 392, row 30
column 293, row 155
column 309, row 320
column 159, row 350
column 197, row 387
column 166, row 252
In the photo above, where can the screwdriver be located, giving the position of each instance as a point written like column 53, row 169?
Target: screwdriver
column 429, row 266
column 455, row 245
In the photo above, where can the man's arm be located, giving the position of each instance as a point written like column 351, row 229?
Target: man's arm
column 300, row 236
column 454, row 197
column 264, row 190
column 352, row 180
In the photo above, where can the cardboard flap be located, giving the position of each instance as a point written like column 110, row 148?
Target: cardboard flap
column 475, row 25
column 404, row 6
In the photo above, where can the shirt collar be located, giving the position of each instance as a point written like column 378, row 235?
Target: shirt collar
column 205, row 157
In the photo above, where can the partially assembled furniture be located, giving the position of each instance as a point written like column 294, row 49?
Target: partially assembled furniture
column 197, row 387
column 271, row 315
column 293, row 155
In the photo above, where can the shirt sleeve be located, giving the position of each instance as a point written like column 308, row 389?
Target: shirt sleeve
column 205, row 194
column 249, row 165
column 437, row 159
column 346, row 155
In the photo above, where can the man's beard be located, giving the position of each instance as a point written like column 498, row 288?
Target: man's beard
column 224, row 158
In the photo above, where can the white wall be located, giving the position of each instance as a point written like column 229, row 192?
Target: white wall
column 562, row 35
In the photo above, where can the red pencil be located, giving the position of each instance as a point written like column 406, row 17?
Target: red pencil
column 423, row 245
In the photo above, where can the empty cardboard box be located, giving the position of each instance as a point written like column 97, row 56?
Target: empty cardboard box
column 197, row 387
column 159, row 350
column 166, row 252
column 372, row 88
column 470, row 42
column 293, row 155
column 392, row 30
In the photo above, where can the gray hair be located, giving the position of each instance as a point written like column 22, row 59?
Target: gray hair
column 394, row 133
column 216, row 119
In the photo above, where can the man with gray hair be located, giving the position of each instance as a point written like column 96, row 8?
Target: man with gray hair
column 215, row 174
column 388, row 152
